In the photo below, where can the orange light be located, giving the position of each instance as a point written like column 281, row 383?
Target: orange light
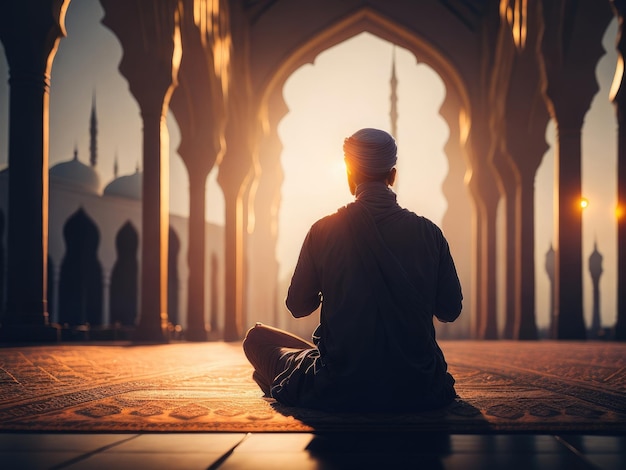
column 619, row 212
column 584, row 202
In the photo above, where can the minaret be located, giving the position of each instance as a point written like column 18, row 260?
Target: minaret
column 393, row 112
column 115, row 166
column 595, row 269
column 93, row 133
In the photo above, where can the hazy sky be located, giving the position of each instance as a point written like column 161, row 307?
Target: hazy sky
column 345, row 89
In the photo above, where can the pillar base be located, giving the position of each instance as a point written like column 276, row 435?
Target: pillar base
column 30, row 334
column 149, row 335
column 198, row 334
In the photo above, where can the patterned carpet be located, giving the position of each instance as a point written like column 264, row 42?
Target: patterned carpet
column 504, row 386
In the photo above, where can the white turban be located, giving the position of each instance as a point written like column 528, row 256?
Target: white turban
column 371, row 152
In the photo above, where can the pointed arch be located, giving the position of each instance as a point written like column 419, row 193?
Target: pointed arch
column 366, row 20
column 80, row 286
column 124, row 290
column 456, row 112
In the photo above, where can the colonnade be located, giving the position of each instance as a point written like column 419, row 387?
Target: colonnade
column 217, row 67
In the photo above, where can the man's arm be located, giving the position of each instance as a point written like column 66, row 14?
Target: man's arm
column 449, row 294
column 304, row 294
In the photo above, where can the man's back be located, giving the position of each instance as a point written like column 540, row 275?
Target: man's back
column 382, row 272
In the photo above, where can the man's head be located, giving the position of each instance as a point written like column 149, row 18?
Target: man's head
column 370, row 155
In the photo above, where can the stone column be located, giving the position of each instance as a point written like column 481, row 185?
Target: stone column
column 56, row 281
column 235, row 175
column 570, row 85
column 213, row 299
column 549, row 267
column 485, row 196
column 458, row 216
column 263, row 295
column 196, row 321
column 198, row 105
column 509, row 188
column 619, row 100
column 506, row 174
column 526, row 118
column 150, row 37
column 30, row 32
column 106, row 297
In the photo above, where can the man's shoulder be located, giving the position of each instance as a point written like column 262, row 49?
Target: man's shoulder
column 330, row 219
column 329, row 224
column 421, row 222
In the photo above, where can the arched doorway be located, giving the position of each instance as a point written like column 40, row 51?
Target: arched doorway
column 80, row 286
column 125, row 277
column 455, row 111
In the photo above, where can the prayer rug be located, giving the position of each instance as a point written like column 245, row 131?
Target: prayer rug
column 503, row 386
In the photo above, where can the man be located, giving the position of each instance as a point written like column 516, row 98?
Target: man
column 380, row 273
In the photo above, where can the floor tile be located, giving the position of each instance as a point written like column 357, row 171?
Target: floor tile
column 184, row 451
column 304, row 451
column 274, row 443
column 59, row 442
column 173, row 443
column 36, row 460
column 597, row 444
column 488, row 461
column 146, row 460
column 402, row 450
column 605, row 452
column 271, row 461
column 508, row 443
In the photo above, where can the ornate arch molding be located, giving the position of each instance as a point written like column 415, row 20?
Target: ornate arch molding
column 364, row 20
column 271, row 108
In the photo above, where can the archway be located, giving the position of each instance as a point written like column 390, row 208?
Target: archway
column 125, row 277
column 455, row 110
column 326, row 104
column 80, row 286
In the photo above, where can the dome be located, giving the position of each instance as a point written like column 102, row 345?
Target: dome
column 75, row 173
column 128, row 186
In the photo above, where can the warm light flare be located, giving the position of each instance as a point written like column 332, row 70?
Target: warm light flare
column 584, row 202
column 617, row 78
column 516, row 14
column 619, row 212
column 337, row 169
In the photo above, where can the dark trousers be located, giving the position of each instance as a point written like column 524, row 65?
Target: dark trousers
column 268, row 349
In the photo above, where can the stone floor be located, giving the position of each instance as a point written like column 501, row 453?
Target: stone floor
column 303, row 451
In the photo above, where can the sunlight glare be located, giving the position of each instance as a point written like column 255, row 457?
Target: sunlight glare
column 342, row 92
column 584, row 203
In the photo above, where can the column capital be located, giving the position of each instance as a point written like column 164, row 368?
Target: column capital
column 149, row 33
column 29, row 31
column 568, row 55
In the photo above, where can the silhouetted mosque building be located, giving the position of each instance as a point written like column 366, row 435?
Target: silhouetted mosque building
column 94, row 256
